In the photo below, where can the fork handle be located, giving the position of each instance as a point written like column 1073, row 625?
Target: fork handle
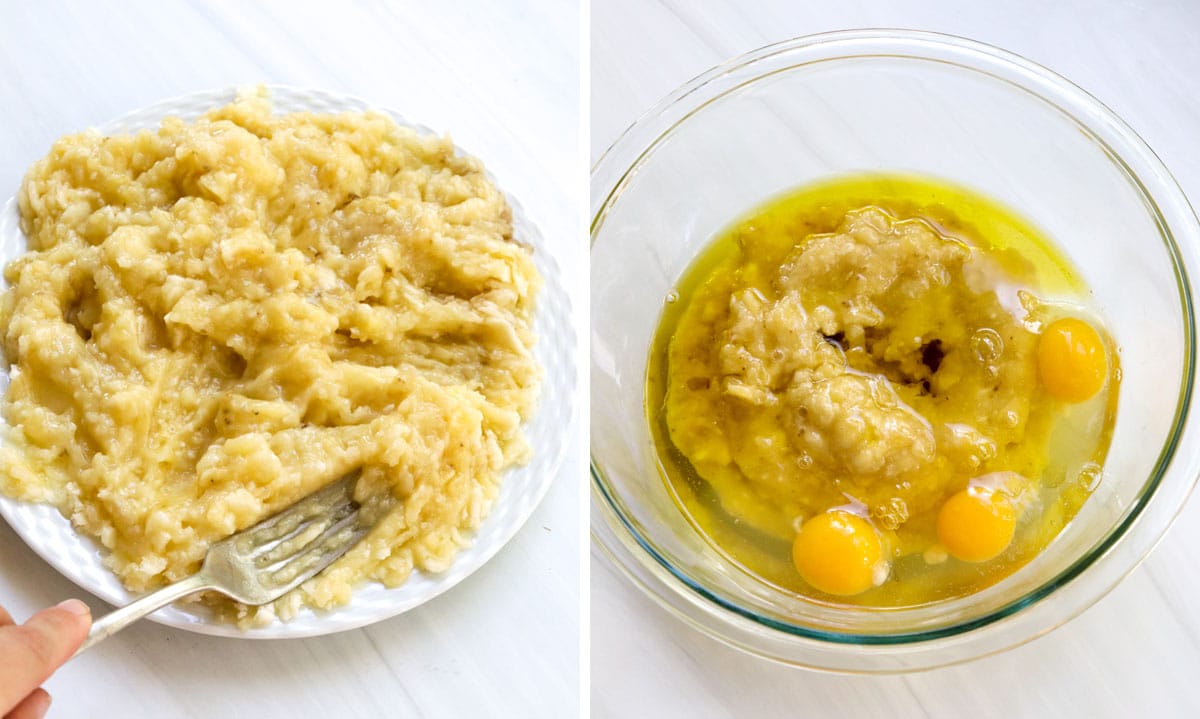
column 117, row 620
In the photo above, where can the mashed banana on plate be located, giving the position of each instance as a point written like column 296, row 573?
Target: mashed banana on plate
column 217, row 318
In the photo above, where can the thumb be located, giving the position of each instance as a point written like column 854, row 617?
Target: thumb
column 60, row 630
column 49, row 637
column 33, row 650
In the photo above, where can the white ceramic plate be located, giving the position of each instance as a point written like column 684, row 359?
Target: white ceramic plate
column 78, row 557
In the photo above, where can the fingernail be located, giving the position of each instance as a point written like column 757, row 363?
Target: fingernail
column 76, row 607
column 40, row 711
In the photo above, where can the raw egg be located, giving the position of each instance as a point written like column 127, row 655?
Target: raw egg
column 838, row 553
column 1071, row 360
column 976, row 524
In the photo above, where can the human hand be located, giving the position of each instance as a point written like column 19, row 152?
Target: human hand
column 30, row 652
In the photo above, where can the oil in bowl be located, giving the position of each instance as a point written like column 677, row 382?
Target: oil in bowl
column 881, row 390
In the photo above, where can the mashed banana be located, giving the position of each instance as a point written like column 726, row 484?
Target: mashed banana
column 829, row 374
column 216, row 319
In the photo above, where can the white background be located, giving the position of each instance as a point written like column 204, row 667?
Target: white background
column 1136, row 653
column 503, row 79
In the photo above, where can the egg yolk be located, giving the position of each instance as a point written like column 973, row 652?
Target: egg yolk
column 1071, row 360
column 838, row 553
column 976, row 524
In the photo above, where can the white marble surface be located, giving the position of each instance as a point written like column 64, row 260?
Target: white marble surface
column 502, row 78
column 1137, row 652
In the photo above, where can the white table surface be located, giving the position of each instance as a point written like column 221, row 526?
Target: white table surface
column 1137, row 652
column 502, row 78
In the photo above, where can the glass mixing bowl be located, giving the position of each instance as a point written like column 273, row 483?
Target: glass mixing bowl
column 912, row 102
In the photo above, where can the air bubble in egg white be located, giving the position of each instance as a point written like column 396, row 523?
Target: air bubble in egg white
column 1090, row 475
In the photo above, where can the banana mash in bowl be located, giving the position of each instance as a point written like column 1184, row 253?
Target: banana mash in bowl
column 217, row 317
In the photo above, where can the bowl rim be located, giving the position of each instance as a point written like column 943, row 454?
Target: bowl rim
column 1103, row 127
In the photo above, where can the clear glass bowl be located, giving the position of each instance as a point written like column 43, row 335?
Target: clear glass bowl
column 888, row 100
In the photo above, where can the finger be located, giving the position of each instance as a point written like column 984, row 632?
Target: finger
column 5, row 617
column 33, row 650
column 33, row 706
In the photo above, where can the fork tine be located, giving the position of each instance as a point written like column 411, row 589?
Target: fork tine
column 317, row 554
column 290, row 521
column 271, row 558
column 278, row 550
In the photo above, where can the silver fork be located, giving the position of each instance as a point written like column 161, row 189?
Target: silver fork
column 264, row 562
